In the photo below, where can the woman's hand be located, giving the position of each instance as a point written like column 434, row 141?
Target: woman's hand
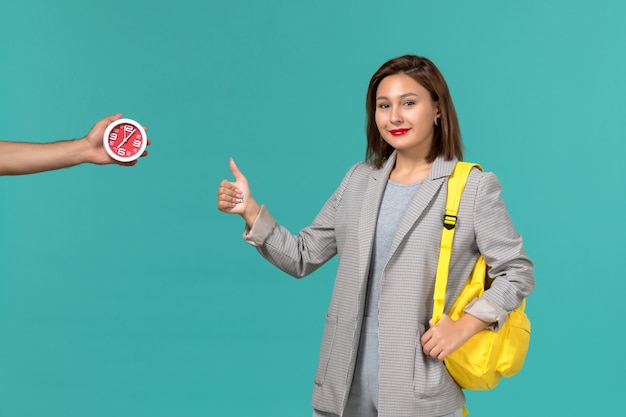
column 235, row 197
column 448, row 335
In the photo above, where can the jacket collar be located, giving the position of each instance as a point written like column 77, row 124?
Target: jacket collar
column 431, row 186
column 440, row 168
column 439, row 171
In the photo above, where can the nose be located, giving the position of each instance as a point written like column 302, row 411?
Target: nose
column 396, row 116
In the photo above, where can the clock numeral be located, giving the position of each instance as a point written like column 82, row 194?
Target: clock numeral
column 113, row 136
column 121, row 151
column 128, row 128
column 136, row 143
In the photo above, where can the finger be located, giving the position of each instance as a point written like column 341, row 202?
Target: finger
column 229, row 196
column 102, row 124
column 433, row 349
column 236, row 173
column 229, row 199
column 110, row 119
column 430, row 351
column 225, row 204
column 225, row 201
column 427, row 342
column 227, row 185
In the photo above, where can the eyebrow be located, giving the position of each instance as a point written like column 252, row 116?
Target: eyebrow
column 402, row 96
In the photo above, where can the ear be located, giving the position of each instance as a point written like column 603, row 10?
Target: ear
column 437, row 121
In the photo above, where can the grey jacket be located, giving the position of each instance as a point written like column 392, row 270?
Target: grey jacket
column 410, row 383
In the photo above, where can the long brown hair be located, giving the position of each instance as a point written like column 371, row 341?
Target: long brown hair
column 447, row 137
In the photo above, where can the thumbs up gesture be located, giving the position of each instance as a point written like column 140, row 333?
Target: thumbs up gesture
column 235, row 197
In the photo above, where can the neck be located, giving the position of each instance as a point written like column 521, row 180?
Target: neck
column 410, row 169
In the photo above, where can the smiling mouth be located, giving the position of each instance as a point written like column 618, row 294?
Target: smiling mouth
column 398, row 132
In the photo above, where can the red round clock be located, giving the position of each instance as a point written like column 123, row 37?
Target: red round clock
column 125, row 140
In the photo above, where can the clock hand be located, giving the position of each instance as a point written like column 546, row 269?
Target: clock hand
column 126, row 138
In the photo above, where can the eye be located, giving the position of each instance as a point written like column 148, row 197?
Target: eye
column 409, row 103
column 383, row 106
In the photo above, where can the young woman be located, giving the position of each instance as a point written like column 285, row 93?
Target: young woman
column 379, row 355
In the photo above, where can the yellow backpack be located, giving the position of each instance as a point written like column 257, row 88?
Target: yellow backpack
column 488, row 355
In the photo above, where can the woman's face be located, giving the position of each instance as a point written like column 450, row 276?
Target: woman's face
column 405, row 114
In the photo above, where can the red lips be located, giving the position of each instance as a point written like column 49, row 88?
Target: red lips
column 398, row 132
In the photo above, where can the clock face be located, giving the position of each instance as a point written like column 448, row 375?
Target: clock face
column 125, row 140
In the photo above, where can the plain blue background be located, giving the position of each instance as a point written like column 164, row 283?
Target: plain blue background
column 124, row 292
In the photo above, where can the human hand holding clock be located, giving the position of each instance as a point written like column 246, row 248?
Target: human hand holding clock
column 121, row 149
column 20, row 158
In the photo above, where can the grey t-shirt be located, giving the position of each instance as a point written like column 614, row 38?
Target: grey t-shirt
column 396, row 200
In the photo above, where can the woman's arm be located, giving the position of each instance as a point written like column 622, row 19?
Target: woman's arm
column 512, row 272
column 298, row 255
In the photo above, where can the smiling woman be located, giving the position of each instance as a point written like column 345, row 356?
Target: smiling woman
column 379, row 354
column 421, row 75
column 406, row 117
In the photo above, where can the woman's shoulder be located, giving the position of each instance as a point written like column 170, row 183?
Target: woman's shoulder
column 363, row 167
column 356, row 177
column 477, row 172
column 360, row 169
column 483, row 182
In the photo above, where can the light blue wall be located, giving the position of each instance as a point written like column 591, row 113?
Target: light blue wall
column 178, row 316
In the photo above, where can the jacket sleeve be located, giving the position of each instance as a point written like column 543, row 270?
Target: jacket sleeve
column 502, row 247
column 298, row 255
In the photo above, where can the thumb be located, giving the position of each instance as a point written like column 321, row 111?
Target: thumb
column 233, row 168
column 102, row 124
column 110, row 119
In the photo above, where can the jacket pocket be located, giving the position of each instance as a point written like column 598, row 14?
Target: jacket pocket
column 430, row 377
column 328, row 339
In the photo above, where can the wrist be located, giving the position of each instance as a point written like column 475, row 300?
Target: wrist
column 83, row 151
column 69, row 153
column 251, row 211
column 471, row 324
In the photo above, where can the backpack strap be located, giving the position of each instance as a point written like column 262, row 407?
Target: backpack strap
column 456, row 184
